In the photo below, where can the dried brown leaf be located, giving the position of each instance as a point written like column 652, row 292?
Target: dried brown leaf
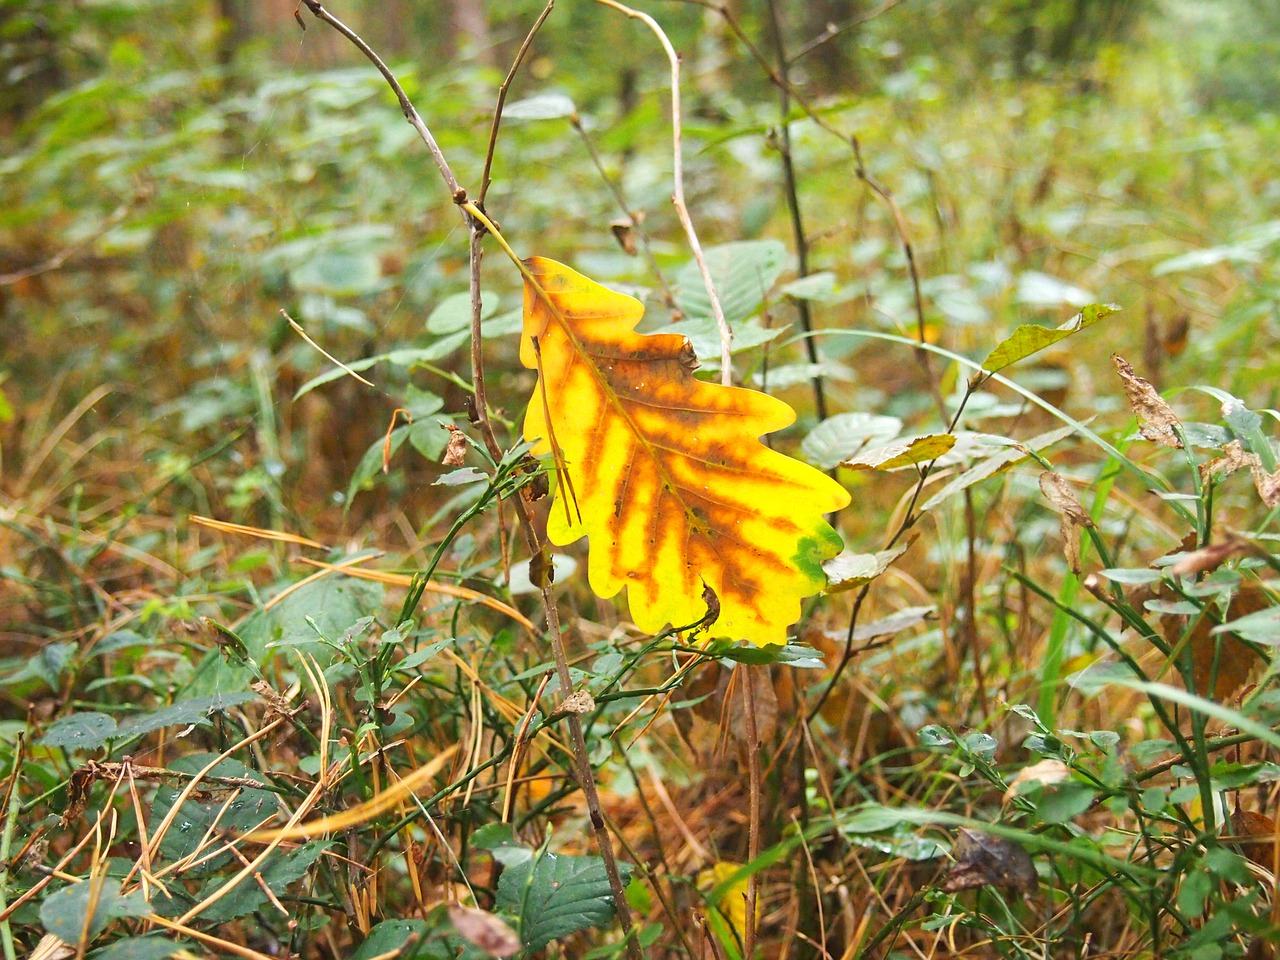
column 1258, row 836
column 1268, row 485
column 1045, row 772
column 482, row 929
column 983, row 860
column 455, row 452
column 1156, row 419
column 1057, row 491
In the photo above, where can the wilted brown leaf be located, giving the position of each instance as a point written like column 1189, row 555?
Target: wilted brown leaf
column 983, row 860
column 1045, row 772
column 1057, row 490
column 482, row 929
column 1258, row 836
column 455, row 452
column 1156, row 419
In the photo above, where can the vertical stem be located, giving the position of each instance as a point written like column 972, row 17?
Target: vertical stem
column 753, row 815
column 6, row 842
column 524, row 513
column 793, row 203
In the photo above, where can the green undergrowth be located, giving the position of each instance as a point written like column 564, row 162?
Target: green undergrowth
column 1036, row 712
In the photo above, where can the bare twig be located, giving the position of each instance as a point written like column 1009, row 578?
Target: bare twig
column 793, row 205
column 478, row 225
column 835, row 29
column 59, row 259
column 485, row 179
column 637, row 222
column 682, row 211
column 753, row 811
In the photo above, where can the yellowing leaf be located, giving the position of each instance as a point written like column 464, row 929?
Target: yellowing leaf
column 903, row 453
column 665, row 473
column 728, row 886
column 1031, row 338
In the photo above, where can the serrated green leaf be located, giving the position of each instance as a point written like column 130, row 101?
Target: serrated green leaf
column 183, row 713
column 65, row 912
column 992, row 465
column 235, row 810
column 155, row 946
column 555, row 895
column 845, row 435
column 743, row 273
column 389, row 938
column 279, row 870
column 80, row 731
column 1031, row 338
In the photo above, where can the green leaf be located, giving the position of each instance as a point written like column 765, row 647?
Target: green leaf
column 80, row 731
column 743, row 273
column 541, row 106
column 389, row 938
column 279, row 870
column 821, row 287
column 235, row 810
column 845, row 435
column 65, row 912
column 339, row 274
column 155, row 946
column 555, row 895
column 1031, row 338
column 453, row 313
column 798, row 655
column 183, row 713
column 1061, row 802
column 994, row 464
column 850, row 570
column 1261, row 627
column 903, row 453
column 500, row 840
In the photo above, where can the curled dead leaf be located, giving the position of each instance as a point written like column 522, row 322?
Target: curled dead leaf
column 484, row 930
column 1156, row 420
column 455, row 452
column 983, row 860
column 1057, row 491
column 624, row 233
column 579, row 702
column 1045, row 772
column 1258, row 836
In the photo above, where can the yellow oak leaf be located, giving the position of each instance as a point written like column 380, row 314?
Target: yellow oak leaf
column 665, row 474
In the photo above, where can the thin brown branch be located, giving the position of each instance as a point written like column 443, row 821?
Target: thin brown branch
column 485, row 179
column 834, row 30
column 477, row 227
column 753, row 809
column 793, row 205
column 406, row 105
column 636, row 222
column 59, row 259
